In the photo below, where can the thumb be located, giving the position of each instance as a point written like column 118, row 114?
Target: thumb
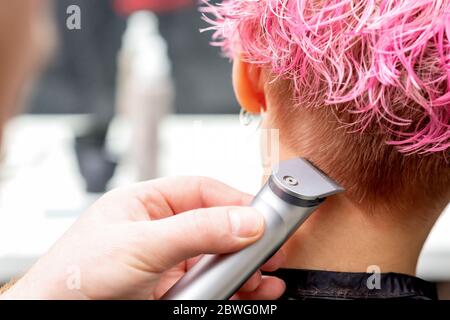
column 201, row 231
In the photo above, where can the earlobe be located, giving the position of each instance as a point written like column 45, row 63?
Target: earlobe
column 248, row 86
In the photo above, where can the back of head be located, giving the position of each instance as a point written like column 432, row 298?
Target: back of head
column 361, row 88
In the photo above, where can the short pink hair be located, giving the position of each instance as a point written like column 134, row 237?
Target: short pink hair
column 387, row 62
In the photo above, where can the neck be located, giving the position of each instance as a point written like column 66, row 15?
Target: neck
column 340, row 237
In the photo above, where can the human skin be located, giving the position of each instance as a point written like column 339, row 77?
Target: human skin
column 136, row 242
column 339, row 236
column 133, row 243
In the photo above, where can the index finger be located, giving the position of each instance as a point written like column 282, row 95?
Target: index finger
column 172, row 195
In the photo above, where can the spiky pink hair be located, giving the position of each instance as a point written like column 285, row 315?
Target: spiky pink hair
column 381, row 57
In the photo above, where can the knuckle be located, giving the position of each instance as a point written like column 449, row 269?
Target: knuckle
column 203, row 180
column 206, row 183
column 214, row 227
column 203, row 184
column 203, row 223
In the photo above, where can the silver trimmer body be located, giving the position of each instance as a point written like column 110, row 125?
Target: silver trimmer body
column 294, row 190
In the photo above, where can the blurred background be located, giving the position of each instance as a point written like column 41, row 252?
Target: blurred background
column 133, row 91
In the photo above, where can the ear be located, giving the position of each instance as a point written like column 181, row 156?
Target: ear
column 249, row 86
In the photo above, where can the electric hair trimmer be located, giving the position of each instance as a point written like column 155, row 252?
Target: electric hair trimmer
column 294, row 190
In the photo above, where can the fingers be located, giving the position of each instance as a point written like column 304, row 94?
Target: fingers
column 275, row 262
column 169, row 278
column 182, row 194
column 202, row 231
column 270, row 288
column 252, row 283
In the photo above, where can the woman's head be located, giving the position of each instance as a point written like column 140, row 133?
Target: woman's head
column 361, row 88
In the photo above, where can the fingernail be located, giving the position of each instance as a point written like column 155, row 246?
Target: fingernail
column 245, row 222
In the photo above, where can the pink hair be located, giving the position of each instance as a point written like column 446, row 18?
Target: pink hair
column 383, row 56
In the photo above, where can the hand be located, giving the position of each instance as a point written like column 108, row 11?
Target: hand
column 136, row 242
